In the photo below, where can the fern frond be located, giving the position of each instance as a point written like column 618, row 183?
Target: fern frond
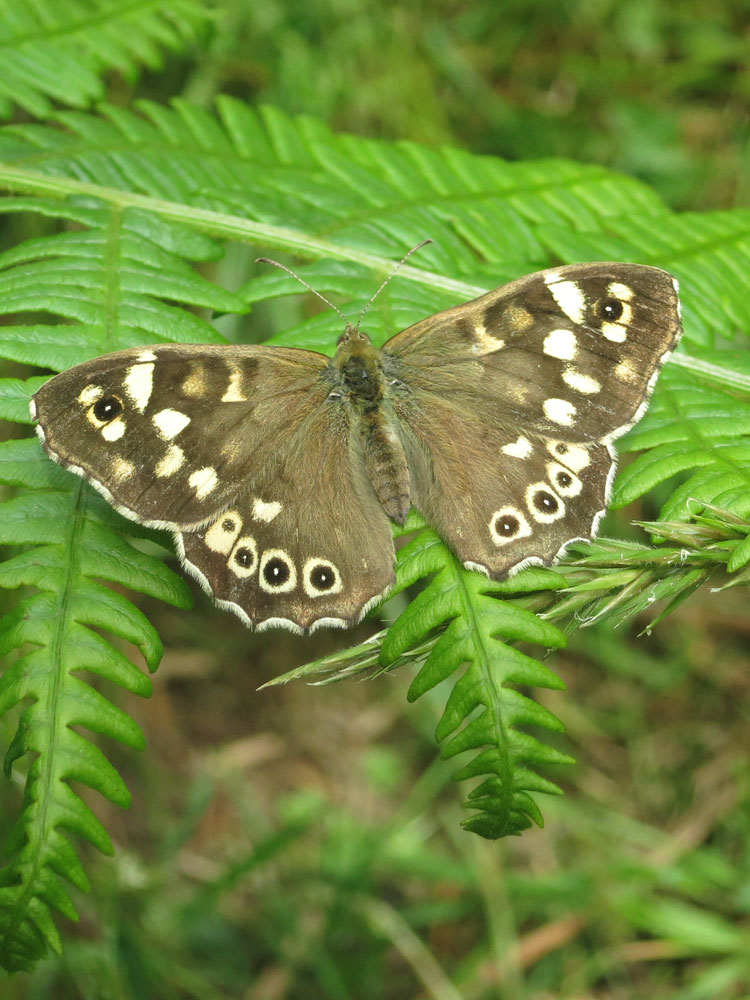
column 108, row 279
column 58, row 50
column 369, row 198
column 70, row 542
column 483, row 713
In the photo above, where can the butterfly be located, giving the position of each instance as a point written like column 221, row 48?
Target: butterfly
column 279, row 469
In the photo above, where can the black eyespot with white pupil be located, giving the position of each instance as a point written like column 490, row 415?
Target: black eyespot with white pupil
column 322, row 577
column 507, row 525
column 107, row 408
column 610, row 309
column 276, row 572
column 227, row 524
column 564, row 479
column 244, row 556
column 545, row 503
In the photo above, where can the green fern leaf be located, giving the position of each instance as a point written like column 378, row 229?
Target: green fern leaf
column 691, row 427
column 474, row 624
column 368, row 196
column 69, row 544
column 58, row 50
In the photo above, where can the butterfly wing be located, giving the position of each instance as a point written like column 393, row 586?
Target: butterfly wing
column 236, row 450
column 307, row 545
column 168, row 433
column 509, row 405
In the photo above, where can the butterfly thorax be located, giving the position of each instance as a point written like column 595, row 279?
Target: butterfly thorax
column 361, row 386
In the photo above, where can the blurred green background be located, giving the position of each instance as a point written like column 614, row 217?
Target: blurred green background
column 303, row 842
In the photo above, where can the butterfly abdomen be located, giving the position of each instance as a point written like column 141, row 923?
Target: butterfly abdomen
column 386, row 465
column 362, row 384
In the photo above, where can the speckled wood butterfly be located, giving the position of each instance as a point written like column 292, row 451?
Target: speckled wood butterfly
column 278, row 469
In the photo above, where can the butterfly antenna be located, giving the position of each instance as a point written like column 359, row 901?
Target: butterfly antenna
column 391, row 275
column 283, row 267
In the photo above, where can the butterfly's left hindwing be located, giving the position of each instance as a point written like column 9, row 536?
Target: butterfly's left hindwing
column 307, row 545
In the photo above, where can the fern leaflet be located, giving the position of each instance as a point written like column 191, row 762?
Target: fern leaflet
column 58, row 50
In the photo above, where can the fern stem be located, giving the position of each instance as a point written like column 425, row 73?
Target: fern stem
column 43, row 778
column 226, row 226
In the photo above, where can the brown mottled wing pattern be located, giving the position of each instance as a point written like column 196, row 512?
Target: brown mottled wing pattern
column 509, row 405
column 236, row 450
column 307, row 544
column 154, row 461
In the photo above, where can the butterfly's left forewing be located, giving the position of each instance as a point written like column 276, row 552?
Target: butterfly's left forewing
column 509, row 405
column 168, row 433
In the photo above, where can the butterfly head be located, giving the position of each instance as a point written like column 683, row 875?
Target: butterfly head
column 353, row 336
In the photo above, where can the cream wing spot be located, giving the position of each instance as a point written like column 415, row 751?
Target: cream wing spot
column 544, row 505
column 222, row 534
column 565, row 482
column 195, row 384
column 617, row 333
column 508, row 525
column 266, row 512
column 519, row 394
column 485, row 342
column 518, row 318
column 169, row 423
column 89, row 394
column 171, row 462
column 620, row 291
column 234, row 393
column 569, row 296
column 278, row 574
column 320, row 577
column 560, row 344
column 520, row 448
column 204, row 481
column 581, row 383
column 559, row 411
column 146, row 356
column 122, row 469
column 139, row 384
column 114, row 430
column 243, row 561
column 573, row 456
column 626, row 371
